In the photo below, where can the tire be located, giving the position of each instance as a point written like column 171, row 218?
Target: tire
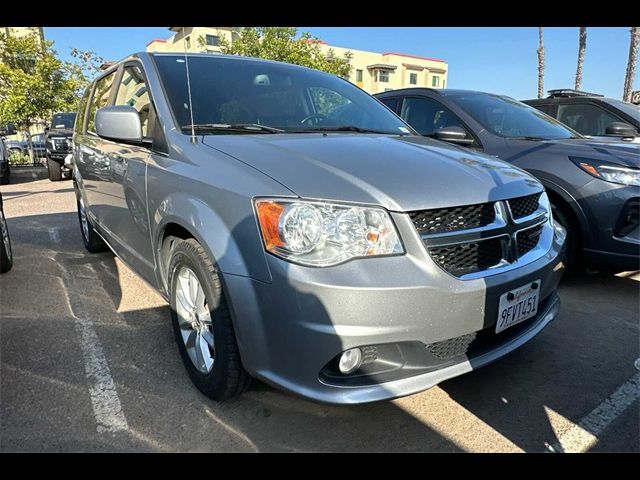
column 92, row 241
column 573, row 259
column 6, row 254
column 226, row 378
column 55, row 170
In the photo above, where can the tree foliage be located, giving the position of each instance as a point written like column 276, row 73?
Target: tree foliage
column 284, row 44
column 34, row 82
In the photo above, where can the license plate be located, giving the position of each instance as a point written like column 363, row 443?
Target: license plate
column 518, row 305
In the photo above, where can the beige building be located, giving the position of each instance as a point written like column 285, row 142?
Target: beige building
column 373, row 72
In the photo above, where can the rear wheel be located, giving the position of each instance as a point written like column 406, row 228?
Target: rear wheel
column 202, row 324
column 92, row 241
column 6, row 254
column 55, row 170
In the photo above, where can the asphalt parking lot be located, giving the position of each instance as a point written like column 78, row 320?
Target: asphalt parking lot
column 88, row 363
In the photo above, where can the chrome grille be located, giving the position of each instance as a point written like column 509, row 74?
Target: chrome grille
column 469, row 257
column 472, row 241
column 528, row 239
column 452, row 219
column 524, row 206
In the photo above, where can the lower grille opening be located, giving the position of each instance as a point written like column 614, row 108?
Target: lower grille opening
column 468, row 258
column 629, row 218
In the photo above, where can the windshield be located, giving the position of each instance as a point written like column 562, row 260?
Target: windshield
column 629, row 108
column 507, row 117
column 236, row 92
column 63, row 120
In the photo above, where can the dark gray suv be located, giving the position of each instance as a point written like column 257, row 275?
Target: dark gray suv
column 304, row 234
column 594, row 186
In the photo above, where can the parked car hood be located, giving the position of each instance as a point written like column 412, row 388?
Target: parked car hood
column 401, row 173
column 60, row 132
column 620, row 153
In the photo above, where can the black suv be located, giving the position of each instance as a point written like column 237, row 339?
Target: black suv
column 592, row 114
column 59, row 144
column 593, row 185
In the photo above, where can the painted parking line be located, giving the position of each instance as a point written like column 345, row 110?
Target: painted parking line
column 107, row 408
column 582, row 436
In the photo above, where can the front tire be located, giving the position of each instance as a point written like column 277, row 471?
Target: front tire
column 573, row 248
column 202, row 323
column 55, row 170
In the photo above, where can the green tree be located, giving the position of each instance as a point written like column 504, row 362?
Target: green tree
column 284, row 44
column 34, row 82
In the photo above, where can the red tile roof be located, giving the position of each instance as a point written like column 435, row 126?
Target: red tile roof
column 414, row 56
column 156, row 40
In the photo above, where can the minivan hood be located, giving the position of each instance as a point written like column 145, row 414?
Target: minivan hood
column 625, row 154
column 401, row 173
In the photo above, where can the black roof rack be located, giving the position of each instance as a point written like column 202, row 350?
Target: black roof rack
column 568, row 92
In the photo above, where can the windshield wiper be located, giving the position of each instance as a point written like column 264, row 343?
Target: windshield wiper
column 530, row 137
column 237, row 127
column 342, row 128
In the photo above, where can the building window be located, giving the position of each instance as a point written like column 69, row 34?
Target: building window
column 358, row 75
column 413, row 79
column 212, row 40
column 383, row 76
column 435, row 81
column 187, row 42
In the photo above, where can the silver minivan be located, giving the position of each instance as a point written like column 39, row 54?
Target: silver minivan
column 303, row 234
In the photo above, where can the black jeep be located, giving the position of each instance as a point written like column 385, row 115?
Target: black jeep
column 59, row 144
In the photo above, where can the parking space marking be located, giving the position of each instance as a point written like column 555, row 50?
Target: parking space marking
column 582, row 436
column 54, row 235
column 107, row 408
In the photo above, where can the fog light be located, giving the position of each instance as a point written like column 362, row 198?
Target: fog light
column 350, row 361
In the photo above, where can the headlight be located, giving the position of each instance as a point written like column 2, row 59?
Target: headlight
column 323, row 234
column 546, row 204
column 608, row 172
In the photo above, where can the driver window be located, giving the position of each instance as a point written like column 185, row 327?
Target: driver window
column 133, row 92
column 427, row 116
column 588, row 119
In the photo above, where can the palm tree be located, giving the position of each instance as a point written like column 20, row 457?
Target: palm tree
column 581, row 51
column 540, row 63
column 631, row 64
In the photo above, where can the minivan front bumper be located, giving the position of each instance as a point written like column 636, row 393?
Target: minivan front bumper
column 290, row 329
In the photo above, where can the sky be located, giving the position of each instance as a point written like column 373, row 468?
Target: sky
column 493, row 59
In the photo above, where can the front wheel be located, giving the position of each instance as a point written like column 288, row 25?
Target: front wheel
column 6, row 254
column 202, row 324
column 572, row 241
column 55, row 170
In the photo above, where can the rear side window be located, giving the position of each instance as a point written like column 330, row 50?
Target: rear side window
column 82, row 110
column 100, row 98
column 545, row 108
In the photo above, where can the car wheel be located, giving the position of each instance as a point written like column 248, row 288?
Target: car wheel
column 202, row 323
column 55, row 170
column 92, row 241
column 6, row 254
column 573, row 255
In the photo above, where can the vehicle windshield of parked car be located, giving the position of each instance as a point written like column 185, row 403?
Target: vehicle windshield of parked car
column 63, row 120
column 629, row 108
column 236, row 95
column 507, row 117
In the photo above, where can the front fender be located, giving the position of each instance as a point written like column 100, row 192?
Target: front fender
column 236, row 249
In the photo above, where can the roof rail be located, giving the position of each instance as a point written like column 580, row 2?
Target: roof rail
column 568, row 92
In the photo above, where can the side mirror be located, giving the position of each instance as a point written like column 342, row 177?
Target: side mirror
column 46, row 129
column 620, row 129
column 8, row 129
column 120, row 123
column 453, row 134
